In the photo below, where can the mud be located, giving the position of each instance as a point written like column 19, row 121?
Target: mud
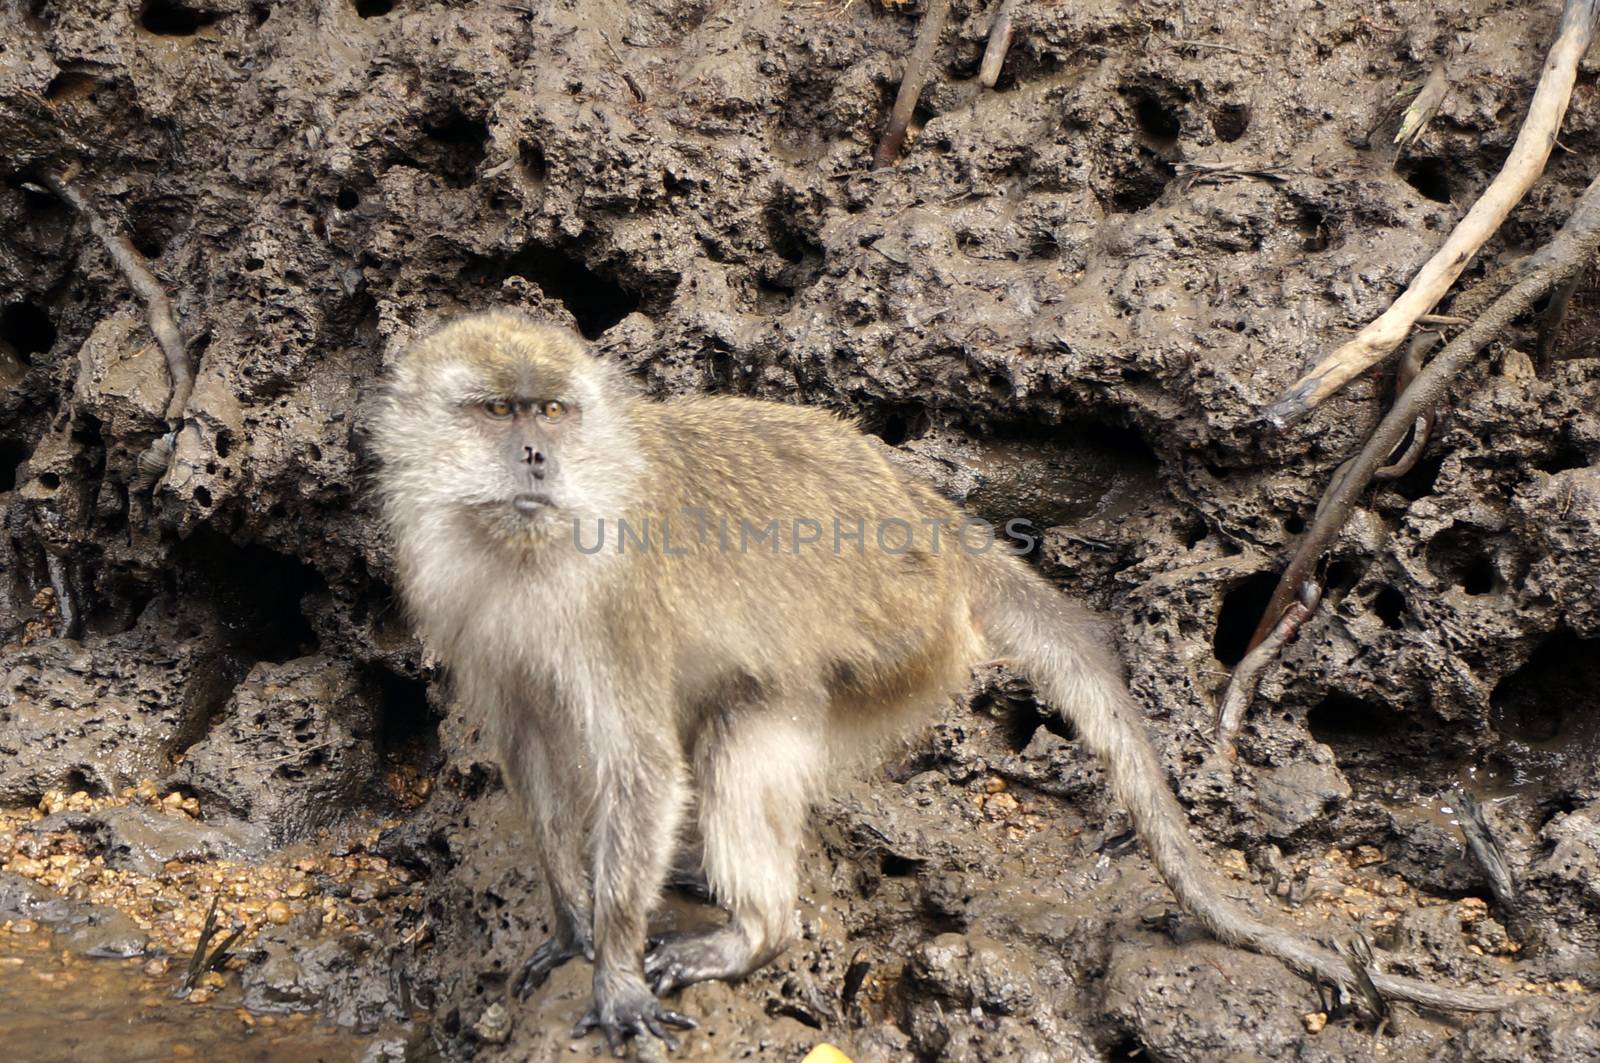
column 62, row 1007
column 1043, row 307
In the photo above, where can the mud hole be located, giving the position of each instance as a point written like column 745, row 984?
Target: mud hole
column 1034, row 287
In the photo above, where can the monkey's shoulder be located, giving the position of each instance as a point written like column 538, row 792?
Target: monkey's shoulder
column 757, row 428
column 739, row 454
column 736, row 412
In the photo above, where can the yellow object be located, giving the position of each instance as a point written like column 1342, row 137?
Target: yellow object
column 826, row 1053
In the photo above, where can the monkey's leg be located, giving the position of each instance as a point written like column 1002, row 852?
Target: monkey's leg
column 688, row 874
column 640, row 796
column 757, row 779
column 555, row 807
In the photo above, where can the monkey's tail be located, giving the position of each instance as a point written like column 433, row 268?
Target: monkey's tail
column 1056, row 642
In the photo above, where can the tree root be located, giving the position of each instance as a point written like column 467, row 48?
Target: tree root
column 1422, row 430
column 1568, row 251
column 1522, row 168
column 1241, row 688
column 994, row 53
column 911, row 83
column 158, row 309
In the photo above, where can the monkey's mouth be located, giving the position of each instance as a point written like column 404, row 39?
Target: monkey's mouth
column 531, row 503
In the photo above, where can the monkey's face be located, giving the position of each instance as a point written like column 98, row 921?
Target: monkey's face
column 502, row 422
column 525, row 430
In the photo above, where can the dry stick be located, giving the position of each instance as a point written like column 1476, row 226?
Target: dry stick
column 1522, row 167
column 916, row 76
column 994, row 54
column 202, row 960
column 1567, row 252
column 157, row 308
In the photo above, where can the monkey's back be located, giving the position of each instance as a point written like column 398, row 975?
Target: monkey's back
column 877, row 606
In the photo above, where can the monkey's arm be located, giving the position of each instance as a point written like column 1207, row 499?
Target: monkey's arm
column 641, row 789
column 555, row 798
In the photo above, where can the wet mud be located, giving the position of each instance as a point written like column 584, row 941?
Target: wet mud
column 1064, row 304
column 61, row 1008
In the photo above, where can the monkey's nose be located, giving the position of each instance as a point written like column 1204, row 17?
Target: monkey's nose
column 536, row 459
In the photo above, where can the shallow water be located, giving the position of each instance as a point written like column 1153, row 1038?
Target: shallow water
column 55, row 1006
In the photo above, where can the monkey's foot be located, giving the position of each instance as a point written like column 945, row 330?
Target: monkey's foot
column 545, row 959
column 679, row 959
column 629, row 1011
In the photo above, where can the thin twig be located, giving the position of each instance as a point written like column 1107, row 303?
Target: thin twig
column 291, row 755
column 1212, row 46
column 1241, row 688
column 1522, row 167
column 912, row 81
column 201, row 961
column 157, row 307
column 1567, row 252
column 1216, row 172
column 197, row 959
column 994, row 54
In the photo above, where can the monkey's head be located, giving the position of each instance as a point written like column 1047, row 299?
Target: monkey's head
column 514, row 426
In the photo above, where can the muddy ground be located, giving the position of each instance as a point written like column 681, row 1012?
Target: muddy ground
column 1042, row 306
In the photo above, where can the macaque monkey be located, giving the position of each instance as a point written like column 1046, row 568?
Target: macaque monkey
column 682, row 619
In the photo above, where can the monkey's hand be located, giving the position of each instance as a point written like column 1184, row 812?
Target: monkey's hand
column 628, row 1009
column 545, row 959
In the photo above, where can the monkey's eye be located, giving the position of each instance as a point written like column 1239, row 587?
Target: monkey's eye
column 499, row 408
column 553, row 410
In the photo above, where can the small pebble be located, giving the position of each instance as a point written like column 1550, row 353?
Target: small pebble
column 494, row 1025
